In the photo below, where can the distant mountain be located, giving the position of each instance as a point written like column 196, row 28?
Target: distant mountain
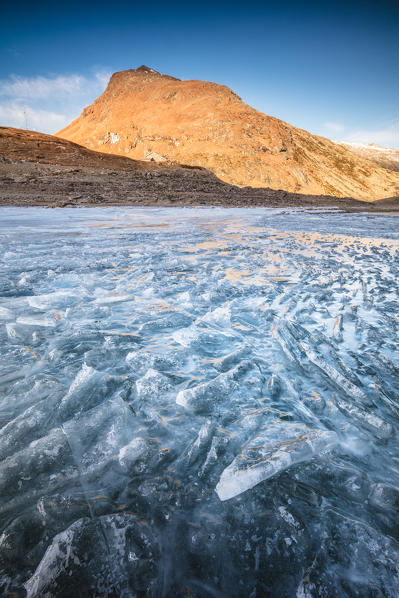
column 383, row 156
column 146, row 115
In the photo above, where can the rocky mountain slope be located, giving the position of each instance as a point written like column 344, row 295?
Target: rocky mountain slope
column 38, row 169
column 31, row 146
column 146, row 115
column 383, row 156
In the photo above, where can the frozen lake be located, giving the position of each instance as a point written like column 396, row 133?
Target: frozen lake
column 198, row 403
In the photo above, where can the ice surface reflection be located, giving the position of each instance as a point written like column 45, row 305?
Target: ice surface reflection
column 198, row 402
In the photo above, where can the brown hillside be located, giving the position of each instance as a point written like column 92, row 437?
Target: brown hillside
column 39, row 169
column 145, row 114
column 31, row 146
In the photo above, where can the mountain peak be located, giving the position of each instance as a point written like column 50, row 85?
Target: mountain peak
column 146, row 69
column 145, row 113
column 142, row 73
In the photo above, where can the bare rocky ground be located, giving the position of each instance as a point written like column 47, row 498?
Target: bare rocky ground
column 42, row 170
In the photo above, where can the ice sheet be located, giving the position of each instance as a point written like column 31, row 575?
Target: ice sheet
column 198, row 402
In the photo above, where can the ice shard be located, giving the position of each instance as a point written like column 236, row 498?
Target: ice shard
column 204, row 396
column 279, row 446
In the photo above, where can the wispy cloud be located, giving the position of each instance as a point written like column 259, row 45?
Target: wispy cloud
column 35, row 88
column 387, row 136
column 48, row 103
column 16, row 115
column 333, row 126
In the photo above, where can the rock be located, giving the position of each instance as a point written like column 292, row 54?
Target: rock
column 200, row 123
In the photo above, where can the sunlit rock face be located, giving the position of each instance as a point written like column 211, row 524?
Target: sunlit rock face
column 146, row 115
column 198, row 402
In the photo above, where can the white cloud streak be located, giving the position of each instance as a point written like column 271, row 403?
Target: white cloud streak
column 336, row 127
column 35, row 88
column 16, row 115
column 47, row 103
column 387, row 136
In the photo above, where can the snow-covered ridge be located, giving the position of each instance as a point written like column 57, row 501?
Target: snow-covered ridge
column 369, row 146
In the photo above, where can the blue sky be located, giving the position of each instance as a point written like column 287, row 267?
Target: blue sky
column 329, row 67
